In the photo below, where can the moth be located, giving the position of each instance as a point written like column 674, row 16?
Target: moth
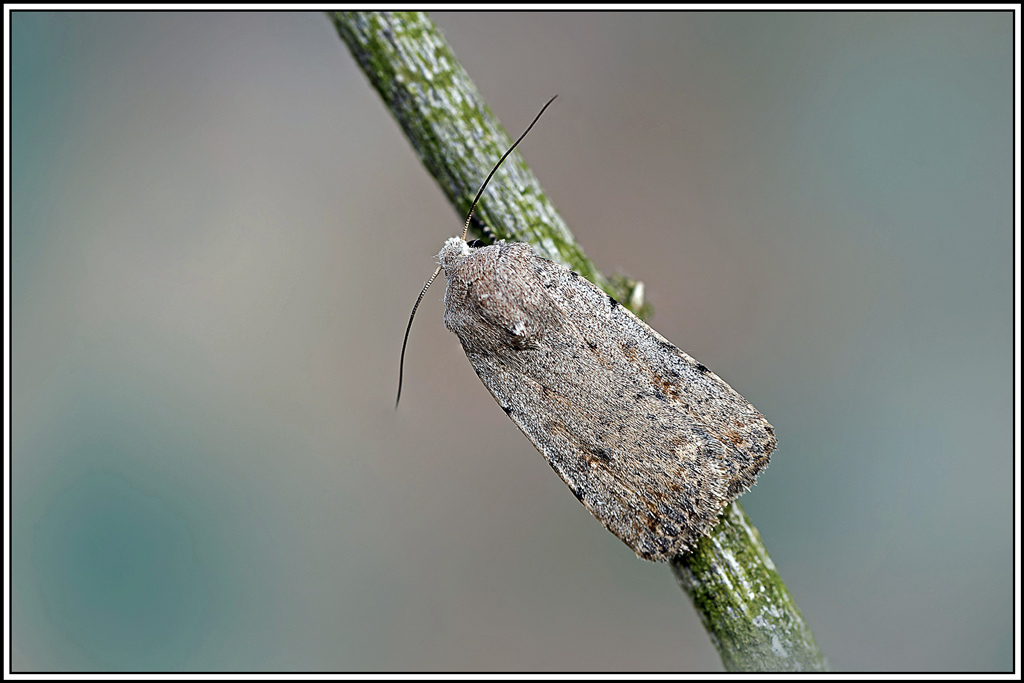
column 652, row 443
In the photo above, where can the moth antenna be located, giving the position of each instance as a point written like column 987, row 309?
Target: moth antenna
column 465, row 230
column 401, row 363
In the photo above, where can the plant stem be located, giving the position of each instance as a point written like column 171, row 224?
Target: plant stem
column 748, row 612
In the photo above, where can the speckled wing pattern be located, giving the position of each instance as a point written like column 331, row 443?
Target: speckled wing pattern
column 648, row 439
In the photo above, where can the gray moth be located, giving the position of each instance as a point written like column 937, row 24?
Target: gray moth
column 653, row 443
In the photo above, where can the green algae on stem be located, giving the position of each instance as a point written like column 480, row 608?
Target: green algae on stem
column 747, row 610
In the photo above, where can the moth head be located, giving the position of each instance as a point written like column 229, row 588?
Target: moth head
column 454, row 250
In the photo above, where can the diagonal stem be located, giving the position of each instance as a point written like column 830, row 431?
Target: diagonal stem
column 748, row 612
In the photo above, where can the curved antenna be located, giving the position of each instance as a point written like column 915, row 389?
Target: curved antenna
column 401, row 363
column 465, row 230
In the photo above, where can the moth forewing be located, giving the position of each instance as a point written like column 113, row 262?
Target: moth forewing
column 648, row 439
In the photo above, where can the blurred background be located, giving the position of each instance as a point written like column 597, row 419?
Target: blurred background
column 218, row 231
